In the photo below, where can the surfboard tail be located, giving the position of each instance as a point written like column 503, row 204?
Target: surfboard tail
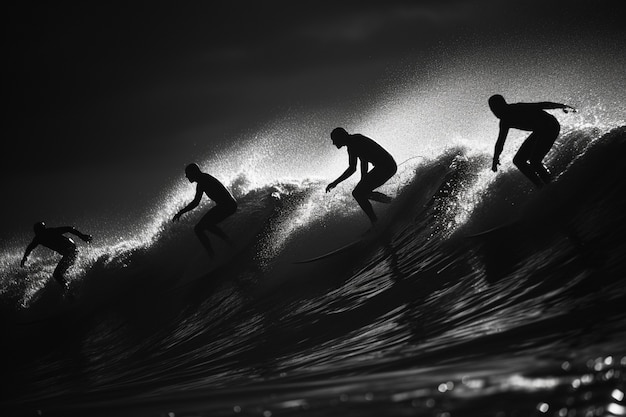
column 338, row 251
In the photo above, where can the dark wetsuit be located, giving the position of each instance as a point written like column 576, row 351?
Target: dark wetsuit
column 368, row 151
column 53, row 238
column 384, row 167
column 225, row 203
column 544, row 127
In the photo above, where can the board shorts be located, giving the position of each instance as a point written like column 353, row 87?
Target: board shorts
column 379, row 175
column 218, row 213
column 64, row 264
column 539, row 143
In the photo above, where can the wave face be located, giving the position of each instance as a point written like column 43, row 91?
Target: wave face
column 427, row 317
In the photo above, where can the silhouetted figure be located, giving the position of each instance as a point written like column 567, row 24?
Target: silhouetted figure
column 225, row 205
column 368, row 152
column 53, row 238
column 530, row 117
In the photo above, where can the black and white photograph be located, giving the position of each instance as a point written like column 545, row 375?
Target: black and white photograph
column 314, row 209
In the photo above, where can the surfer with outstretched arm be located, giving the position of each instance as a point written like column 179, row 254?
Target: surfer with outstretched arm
column 225, row 205
column 530, row 117
column 53, row 238
column 367, row 152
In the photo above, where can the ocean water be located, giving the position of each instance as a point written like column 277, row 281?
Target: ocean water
column 424, row 317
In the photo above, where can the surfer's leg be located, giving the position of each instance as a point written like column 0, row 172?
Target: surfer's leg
column 545, row 141
column 64, row 264
column 377, row 177
column 216, row 215
column 363, row 192
column 379, row 197
column 542, row 172
column 522, row 160
column 216, row 230
column 204, row 239
column 361, row 195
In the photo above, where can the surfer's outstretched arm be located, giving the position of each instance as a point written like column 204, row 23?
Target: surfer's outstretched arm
column 346, row 174
column 504, row 131
column 72, row 230
column 190, row 206
column 29, row 249
column 548, row 105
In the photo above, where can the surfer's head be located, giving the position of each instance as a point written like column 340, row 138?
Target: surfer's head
column 339, row 136
column 192, row 171
column 497, row 104
column 39, row 227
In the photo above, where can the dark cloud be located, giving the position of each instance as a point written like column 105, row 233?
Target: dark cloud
column 123, row 78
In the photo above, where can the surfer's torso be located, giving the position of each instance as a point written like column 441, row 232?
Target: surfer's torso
column 215, row 190
column 56, row 241
column 367, row 150
column 529, row 117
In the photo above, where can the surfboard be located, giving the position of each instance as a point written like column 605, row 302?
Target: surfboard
column 334, row 252
column 492, row 230
column 201, row 266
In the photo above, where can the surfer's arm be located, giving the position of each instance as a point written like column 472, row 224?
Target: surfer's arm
column 548, row 105
column 364, row 167
column 504, row 131
column 346, row 174
column 72, row 230
column 29, row 249
column 194, row 203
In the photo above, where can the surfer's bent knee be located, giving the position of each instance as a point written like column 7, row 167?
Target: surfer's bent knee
column 360, row 192
column 216, row 215
column 519, row 160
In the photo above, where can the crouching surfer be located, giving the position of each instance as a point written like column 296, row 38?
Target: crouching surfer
column 530, row 117
column 367, row 152
column 53, row 238
column 225, row 205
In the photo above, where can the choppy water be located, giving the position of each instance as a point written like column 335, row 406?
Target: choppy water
column 423, row 319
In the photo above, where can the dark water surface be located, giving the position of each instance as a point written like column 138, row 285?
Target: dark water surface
column 421, row 318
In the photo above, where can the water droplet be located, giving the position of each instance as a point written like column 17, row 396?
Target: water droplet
column 617, row 394
column 616, row 409
column 543, row 407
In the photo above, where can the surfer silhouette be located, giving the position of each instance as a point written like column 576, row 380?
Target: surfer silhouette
column 367, row 152
column 225, row 205
column 53, row 238
column 529, row 117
